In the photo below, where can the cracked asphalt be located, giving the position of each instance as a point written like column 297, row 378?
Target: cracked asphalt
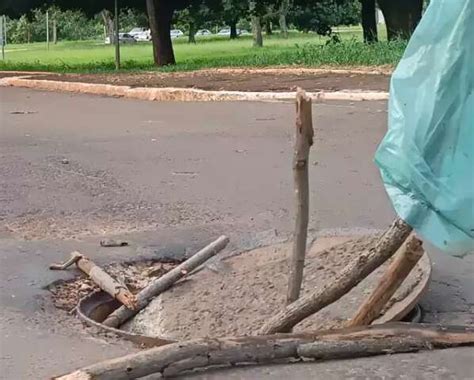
column 168, row 178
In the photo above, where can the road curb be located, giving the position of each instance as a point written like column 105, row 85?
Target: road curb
column 183, row 94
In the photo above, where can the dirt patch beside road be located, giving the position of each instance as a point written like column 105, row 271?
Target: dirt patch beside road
column 235, row 81
column 258, row 80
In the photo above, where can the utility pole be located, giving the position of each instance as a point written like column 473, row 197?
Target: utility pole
column 47, row 30
column 117, row 42
column 55, row 33
column 5, row 39
column 2, row 37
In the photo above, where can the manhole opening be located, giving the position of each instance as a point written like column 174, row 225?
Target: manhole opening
column 135, row 275
column 238, row 306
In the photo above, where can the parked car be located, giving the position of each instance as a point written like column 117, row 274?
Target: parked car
column 226, row 32
column 124, row 38
column 143, row 36
column 175, row 33
column 203, row 32
column 137, row 31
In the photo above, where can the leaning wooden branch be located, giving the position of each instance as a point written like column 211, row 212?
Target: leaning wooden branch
column 350, row 276
column 101, row 278
column 405, row 260
column 170, row 360
column 303, row 142
column 164, row 282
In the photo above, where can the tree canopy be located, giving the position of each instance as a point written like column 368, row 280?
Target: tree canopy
column 319, row 16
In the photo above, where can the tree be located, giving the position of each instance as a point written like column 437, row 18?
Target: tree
column 369, row 22
column 108, row 20
column 320, row 16
column 232, row 12
column 283, row 13
column 160, row 14
column 260, row 10
column 401, row 17
column 192, row 18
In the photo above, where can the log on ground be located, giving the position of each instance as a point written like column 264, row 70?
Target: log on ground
column 161, row 284
column 349, row 277
column 405, row 260
column 171, row 360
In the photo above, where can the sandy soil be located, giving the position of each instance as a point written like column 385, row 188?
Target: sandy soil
column 238, row 80
column 252, row 287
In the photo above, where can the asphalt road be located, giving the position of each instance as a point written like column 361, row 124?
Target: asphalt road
column 169, row 177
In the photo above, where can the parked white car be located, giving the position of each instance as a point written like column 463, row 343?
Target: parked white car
column 226, row 32
column 137, row 31
column 124, row 38
column 175, row 33
column 143, row 36
column 203, row 32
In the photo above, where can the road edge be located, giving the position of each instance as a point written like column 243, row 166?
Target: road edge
column 182, row 94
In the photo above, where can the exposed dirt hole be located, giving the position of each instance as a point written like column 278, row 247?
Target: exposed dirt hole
column 135, row 275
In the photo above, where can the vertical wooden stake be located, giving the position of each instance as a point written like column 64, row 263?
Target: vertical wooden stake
column 303, row 142
column 405, row 260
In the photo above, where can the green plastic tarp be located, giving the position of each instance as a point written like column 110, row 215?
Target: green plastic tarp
column 426, row 158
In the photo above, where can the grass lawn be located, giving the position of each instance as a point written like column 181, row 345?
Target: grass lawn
column 300, row 49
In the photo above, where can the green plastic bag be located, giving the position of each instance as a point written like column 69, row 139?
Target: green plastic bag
column 426, row 157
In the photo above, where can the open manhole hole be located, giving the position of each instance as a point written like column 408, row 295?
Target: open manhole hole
column 238, row 298
column 135, row 275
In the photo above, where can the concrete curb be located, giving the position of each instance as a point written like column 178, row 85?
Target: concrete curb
column 183, row 94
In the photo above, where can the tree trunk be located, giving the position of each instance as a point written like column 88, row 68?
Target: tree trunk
column 284, row 6
column 160, row 13
column 173, row 359
column 369, row 21
column 401, row 17
column 257, row 31
column 192, row 33
column 109, row 25
column 233, row 29
column 303, row 142
column 268, row 27
column 342, row 283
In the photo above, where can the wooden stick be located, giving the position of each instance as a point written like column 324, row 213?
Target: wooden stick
column 172, row 359
column 164, row 282
column 303, row 142
column 405, row 260
column 101, row 278
column 350, row 276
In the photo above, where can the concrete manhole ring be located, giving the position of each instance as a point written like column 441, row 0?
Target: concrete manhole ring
column 191, row 303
